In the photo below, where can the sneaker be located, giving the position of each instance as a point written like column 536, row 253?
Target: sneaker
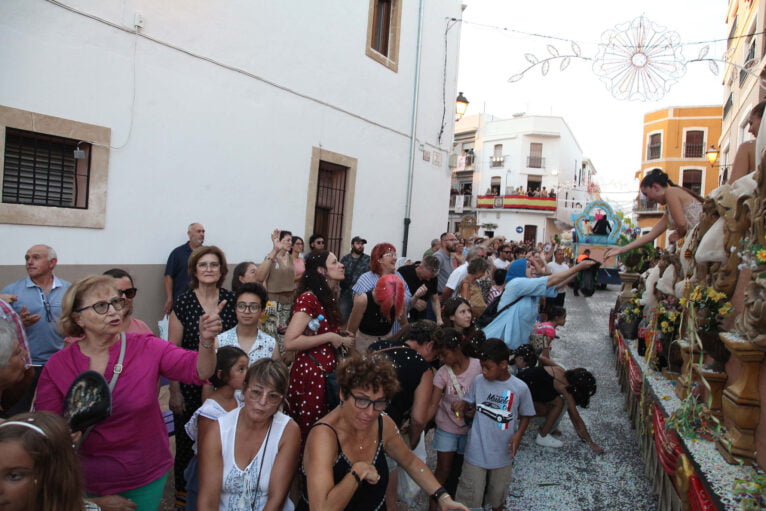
column 548, row 441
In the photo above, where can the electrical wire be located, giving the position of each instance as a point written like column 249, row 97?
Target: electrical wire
column 227, row 67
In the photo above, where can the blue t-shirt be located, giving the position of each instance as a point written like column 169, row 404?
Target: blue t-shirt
column 499, row 404
column 516, row 323
column 177, row 268
column 44, row 338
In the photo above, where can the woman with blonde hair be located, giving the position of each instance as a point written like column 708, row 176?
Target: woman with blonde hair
column 375, row 311
column 127, row 456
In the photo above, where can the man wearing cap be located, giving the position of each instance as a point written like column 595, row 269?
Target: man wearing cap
column 355, row 264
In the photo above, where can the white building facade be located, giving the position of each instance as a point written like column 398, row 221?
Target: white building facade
column 506, row 169
column 244, row 116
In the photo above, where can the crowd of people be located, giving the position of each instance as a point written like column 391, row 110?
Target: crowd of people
column 303, row 380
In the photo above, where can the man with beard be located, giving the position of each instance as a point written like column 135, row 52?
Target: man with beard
column 445, row 255
column 355, row 263
column 420, row 278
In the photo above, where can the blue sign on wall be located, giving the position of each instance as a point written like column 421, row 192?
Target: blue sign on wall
column 519, row 229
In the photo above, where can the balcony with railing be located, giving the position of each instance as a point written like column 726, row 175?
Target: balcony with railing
column 468, row 201
column 647, row 207
column 496, row 161
column 522, row 202
column 694, row 150
column 535, row 162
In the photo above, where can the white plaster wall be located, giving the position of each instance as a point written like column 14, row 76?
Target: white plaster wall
column 211, row 145
column 507, row 223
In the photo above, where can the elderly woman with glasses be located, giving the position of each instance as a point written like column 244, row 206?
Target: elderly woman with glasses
column 344, row 463
column 250, row 301
column 248, row 456
column 126, row 457
column 207, row 269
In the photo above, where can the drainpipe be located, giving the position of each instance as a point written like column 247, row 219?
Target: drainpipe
column 413, row 128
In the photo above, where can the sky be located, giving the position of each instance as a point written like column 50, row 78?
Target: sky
column 608, row 130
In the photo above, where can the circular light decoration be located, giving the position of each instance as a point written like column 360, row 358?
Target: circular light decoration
column 639, row 60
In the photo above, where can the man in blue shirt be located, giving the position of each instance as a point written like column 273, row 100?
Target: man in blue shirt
column 176, row 280
column 38, row 303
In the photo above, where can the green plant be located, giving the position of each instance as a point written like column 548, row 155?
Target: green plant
column 632, row 309
column 638, row 259
column 710, row 307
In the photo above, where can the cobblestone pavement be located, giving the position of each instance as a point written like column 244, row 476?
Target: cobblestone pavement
column 574, row 477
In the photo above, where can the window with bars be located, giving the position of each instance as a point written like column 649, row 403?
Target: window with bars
column 654, row 150
column 330, row 203
column 41, row 170
column 535, row 159
column 694, row 145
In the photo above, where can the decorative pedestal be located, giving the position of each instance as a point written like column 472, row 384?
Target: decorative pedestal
column 689, row 354
column 628, row 279
column 741, row 401
column 716, row 382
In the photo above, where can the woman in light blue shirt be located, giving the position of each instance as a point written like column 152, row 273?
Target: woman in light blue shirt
column 514, row 325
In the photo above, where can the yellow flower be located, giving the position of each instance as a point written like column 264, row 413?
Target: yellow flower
column 724, row 310
column 636, row 311
column 761, row 256
column 664, row 325
column 682, row 301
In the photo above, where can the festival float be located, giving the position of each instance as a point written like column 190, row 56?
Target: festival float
column 689, row 335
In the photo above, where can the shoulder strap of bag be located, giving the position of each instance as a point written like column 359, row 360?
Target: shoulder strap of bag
column 113, row 382
column 455, row 383
column 517, row 300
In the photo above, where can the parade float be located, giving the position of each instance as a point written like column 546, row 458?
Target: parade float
column 690, row 338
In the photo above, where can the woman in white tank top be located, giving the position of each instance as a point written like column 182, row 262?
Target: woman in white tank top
column 248, row 458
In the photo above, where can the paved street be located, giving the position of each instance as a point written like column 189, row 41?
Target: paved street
column 573, row 477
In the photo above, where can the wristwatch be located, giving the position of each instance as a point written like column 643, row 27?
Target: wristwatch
column 438, row 493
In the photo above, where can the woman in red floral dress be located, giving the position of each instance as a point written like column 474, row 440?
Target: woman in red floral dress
column 317, row 295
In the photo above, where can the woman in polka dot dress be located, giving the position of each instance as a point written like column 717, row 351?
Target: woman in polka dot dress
column 317, row 295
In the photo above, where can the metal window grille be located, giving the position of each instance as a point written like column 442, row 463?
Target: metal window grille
column 727, row 106
column 692, row 179
column 41, row 170
column 694, row 146
column 330, row 202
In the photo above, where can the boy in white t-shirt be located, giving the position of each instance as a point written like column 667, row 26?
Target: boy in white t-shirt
column 501, row 406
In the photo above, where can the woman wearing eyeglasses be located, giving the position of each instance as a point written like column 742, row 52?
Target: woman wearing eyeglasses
column 207, row 269
column 248, row 456
column 249, row 301
column 125, row 458
column 344, row 463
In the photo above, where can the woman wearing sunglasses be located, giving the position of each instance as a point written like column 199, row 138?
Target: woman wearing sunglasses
column 125, row 458
column 344, row 463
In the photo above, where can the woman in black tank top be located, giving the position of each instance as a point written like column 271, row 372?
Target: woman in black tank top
column 344, row 464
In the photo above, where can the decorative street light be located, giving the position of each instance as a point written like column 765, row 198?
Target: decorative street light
column 711, row 154
column 461, row 105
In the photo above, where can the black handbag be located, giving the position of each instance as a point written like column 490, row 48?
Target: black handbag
column 331, row 387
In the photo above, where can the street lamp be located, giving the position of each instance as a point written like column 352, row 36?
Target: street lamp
column 461, row 105
column 711, row 154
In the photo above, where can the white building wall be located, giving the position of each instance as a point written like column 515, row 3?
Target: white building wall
column 195, row 141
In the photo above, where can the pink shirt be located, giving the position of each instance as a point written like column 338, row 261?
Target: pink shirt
column 445, row 417
column 547, row 329
column 130, row 448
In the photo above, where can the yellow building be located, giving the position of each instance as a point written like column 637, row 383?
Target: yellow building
column 675, row 140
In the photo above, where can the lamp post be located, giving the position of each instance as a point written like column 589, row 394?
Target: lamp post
column 461, row 105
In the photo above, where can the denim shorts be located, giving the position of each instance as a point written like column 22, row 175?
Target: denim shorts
column 448, row 442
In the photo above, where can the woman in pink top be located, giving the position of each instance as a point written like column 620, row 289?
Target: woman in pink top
column 451, row 383
column 126, row 457
column 127, row 289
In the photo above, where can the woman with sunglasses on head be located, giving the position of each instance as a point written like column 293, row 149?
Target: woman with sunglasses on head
column 250, row 301
column 248, row 456
column 344, row 463
column 125, row 458
column 207, row 271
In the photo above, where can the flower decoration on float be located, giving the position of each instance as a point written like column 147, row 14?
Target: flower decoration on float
column 668, row 318
column 750, row 493
column 632, row 309
column 710, row 306
column 753, row 256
